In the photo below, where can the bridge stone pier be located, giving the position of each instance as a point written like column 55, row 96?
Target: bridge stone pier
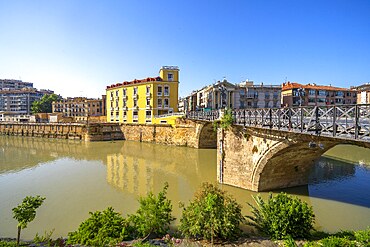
column 260, row 159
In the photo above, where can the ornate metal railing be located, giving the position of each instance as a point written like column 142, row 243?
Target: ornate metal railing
column 345, row 121
column 204, row 115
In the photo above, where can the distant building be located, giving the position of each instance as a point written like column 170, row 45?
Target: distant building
column 224, row 94
column 10, row 84
column 13, row 117
column 363, row 93
column 295, row 94
column 140, row 101
column 79, row 108
column 258, row 96
column 17, row 96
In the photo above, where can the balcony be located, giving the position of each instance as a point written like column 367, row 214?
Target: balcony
column 148, row 107
column 148, row 94
column 135, row 96
column 125, row 108
column 124, row 97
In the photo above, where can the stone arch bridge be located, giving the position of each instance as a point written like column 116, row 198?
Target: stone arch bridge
column 268, row 149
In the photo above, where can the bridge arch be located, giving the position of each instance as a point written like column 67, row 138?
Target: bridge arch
column 263, row 159
column 207, row 136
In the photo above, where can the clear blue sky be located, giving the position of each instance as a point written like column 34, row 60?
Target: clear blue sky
column 77, row 48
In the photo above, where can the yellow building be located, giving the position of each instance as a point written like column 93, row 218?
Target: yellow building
column 143, row 101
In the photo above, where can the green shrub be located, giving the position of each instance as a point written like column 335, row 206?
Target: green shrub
column 289, row 242
column 333, row 241
column 282, row 216
column 46, row 238
column 154, row 215
column 101, row 229
column 8, row 244
column 225, row 122
column 363, row 237
column 212, row 214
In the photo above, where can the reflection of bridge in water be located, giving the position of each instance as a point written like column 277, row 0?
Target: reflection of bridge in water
column 275, row 148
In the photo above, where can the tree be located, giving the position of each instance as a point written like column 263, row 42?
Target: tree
column 25, row 212
column 44, row 104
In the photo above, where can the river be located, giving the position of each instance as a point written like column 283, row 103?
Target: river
column 79, row 177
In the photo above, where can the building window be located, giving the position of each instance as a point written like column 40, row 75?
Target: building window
column 135, row 91
column 135, row 102
column 312, row 92
column 148, row 101
column 322, row 93
column 339, row 93
column 148, row 91
column 124, row 92
column 159, row 91
column 166, row 90
column 148, row 114
column 166, row 103
column 135, row 116
column 117, row 93
column 170, row 77
column 159, row 103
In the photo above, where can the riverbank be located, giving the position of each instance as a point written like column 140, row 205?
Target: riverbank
column 250, row 242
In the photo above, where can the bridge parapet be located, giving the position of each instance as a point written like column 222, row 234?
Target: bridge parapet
column 345, row 121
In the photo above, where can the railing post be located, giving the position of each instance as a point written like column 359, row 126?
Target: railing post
column 302, row 122
column 245, row 121
column 357, row 116
column 270, row 113
column 334, row 121
column 317, row 120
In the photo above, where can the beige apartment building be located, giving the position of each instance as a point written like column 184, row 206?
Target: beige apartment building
column 79, row 108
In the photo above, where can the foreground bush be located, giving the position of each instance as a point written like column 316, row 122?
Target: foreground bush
column 212, row 214
column 282, row 216
column 154, row 215
column 344, row 238
column 109, row 227
column 101, row 229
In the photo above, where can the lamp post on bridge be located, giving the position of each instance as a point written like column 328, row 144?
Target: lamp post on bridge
column 222, row 90
column 300, row 94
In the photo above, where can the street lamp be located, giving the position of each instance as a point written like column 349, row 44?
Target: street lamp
column 222, row 90
column 300, row 94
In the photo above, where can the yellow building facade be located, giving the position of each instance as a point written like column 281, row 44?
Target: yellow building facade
column 143, row 101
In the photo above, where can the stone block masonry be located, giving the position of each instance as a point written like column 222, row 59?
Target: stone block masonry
column 185, row 133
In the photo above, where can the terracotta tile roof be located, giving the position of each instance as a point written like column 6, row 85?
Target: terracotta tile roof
column 292, row 85
column 149, row 79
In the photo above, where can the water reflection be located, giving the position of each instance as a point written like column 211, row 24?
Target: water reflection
column 78, row 177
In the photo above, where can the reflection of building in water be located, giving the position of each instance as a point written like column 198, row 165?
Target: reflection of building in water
column 328, row 169
column 130, row 173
